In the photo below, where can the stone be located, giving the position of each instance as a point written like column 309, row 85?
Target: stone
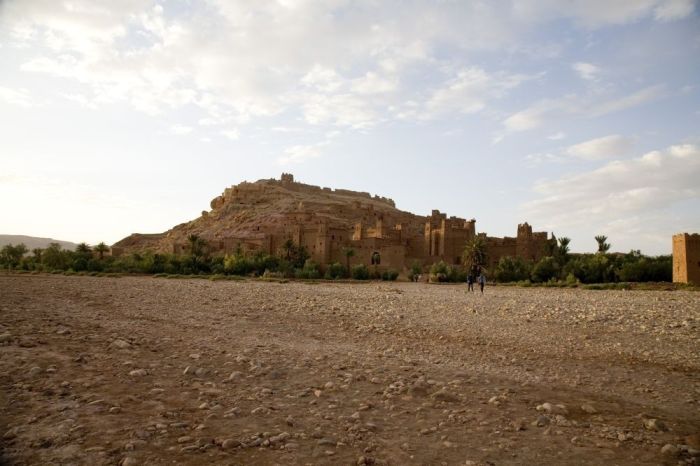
column 541, row 421
column 587, row 408
column 230, row 443
column 235, row 375
column 138, row 373
column 442, row 395
column 655, row 425
column 129, row 461
column 184, row 439
column 670, row 450
column 120, row 344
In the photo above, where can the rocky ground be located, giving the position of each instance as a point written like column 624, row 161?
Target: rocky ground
column 154, row 371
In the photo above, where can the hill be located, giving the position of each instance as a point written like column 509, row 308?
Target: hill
column 264, row 216
column 34, row 242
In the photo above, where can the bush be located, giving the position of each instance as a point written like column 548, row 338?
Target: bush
column 546, row 269
column 309, row 271
column 360, row 272
column 512, row 269
column 415, row 272
column 390, row 275
column 335, row 271
column 440, row 272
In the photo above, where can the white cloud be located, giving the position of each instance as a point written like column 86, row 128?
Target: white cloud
column 557, row 136
column 598, row 13
column 469, row 92
column 673, row 9
column 301, row 153
column 621, row 192
column 232, row 134
column 643, row 96
column 586, row 71
column 180, row 130
column 20, row 97
column 587, row 106
column 613, row 145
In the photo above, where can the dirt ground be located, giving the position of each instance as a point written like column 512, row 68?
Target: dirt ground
column 140, row 370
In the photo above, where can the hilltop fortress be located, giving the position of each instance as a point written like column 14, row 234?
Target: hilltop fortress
column 262, row 216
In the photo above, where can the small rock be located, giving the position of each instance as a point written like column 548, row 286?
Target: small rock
column 655, row 425
column 670, row 450
column 230, row 443
column 115, row 410
column 34, row 371
column 442, row 395
column 235, row 375
column 138, row 373
column 541, row 421
column 120, row 344
column 5, row 337
column 184, row 439
column 289, row 420
column 587, row 408
column 129, row 461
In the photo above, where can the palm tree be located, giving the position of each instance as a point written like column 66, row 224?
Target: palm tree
column 563, row 249
column 474, row 254
column 101, row 248
column 83, row 248
column 289, row 249
column 349, row 252
column 603, row 247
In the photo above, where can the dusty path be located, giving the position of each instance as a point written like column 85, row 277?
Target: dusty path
column 155, row 371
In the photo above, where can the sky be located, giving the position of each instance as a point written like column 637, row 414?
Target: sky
column 579, row 117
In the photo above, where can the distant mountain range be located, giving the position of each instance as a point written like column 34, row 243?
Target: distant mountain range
column 33, row 242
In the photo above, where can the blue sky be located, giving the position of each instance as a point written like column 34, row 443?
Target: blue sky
column 580, row 117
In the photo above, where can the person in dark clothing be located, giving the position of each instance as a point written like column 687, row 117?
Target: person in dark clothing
column 482, row 281
column 470, row 282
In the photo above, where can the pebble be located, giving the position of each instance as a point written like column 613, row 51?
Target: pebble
column 138, row 373
column 655, row 425
column 587, row 408
column 670, row 450
column 120, row 344
column 442, row 395
column 129, row 461
column 230, row 443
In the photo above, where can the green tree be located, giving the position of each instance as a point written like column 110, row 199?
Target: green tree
column 603, row 247
column 563, row 250
column 416, row 271
column 474, row 254
column 546, row 269
column 83, row 248
column 348, row 252
column 55, row 258
column 512, row 269
column 12, row 255
column 37, row 254
column 101, row 248
column 288, row 248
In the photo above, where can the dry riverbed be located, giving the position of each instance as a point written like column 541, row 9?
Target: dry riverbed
column 153, row 371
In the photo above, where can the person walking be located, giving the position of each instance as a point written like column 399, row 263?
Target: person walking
column 482, row 281
column 470, row 282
